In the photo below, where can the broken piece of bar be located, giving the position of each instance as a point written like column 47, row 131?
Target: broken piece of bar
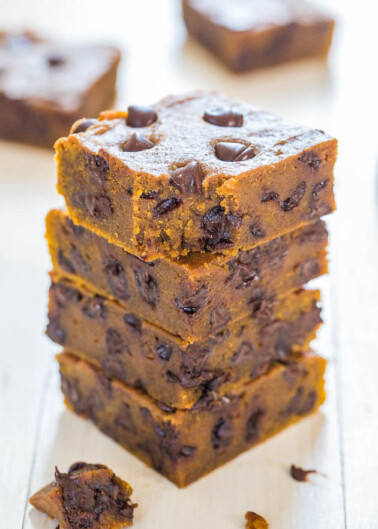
column 197, row 172
column 184, row 445
column 45, row 86
column 87, row 496
column 249, row 34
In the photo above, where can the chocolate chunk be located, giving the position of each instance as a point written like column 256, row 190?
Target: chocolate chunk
column 219, row 317
column 124, row 419
column 255, row 521
column 269, row 196
column 165, row 206
column 318, row 188
column 299, row 474
column 115, row 343
column 56, row 60
column 55, row 332
column 228, row 151
column 256, row 231
column 94, row 308
column 65, row 263
column 116, row 278
column 294, row 199
column 139, row 116
column 99, row 206
column 191, row 304
column 147, row 286
column 82, row 125
column 253, row 426
column 224, row 118
column 222, row 433
column 311, row 159
column 136, row 143
column 134, row 321
column 163, row 351
column 188, row 179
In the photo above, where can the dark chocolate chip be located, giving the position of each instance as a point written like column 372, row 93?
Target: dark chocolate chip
column 188, row 179
column 163, row 351
column 219, row 317
column 83, row 125
column 191, row 304
column 139, row 116
column 97, row 167
column 115, row 343
column 99, row 206
column 116, row 279
column 247, row 154
column 222, row 433
column 134, row 321
column 256, row 231
column 94, row 308
column 299, row 474
column 224, row 118
column 216, row 225
column 245, row 269
column 65, row 263
column 56, row 60
column 165, row 206
column 294, row 199
column 253, row 426
column 228, row 151
column 311, row 159
column 147, row 286
column 269, row 196
column 55, row 332
column 318, row 188
column 136, row 143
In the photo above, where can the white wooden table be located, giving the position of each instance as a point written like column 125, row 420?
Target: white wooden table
column 341, row 442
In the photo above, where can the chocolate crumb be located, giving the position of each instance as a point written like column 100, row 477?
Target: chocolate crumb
column 299, row 474
column 255, row 521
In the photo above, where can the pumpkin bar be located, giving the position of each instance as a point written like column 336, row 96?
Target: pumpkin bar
column 45, row 86
column 174, row 372
column 87, row 496
column 193, row 296
column 197, row 172
column 249, row 34
column 186, row 445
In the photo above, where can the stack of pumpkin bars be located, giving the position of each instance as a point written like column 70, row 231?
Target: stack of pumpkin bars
column 178, row 272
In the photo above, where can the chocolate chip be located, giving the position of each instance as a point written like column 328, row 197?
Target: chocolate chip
column 188, row 179
column 150, row 195
column 318, row 188
column 253, row 426
column 97, row 167
column 55, row 331
column 94, row 308
column 228, row 151
column 63, row 295
column 65, row 263
column 299, row 474
column 302, row 403
column 311, row 159
column 124, row 419
column 163, row 351
column 165, row 206
column 191, row 304
column 255, row 521
column 222, row 433
column 247, row 154
column 245, row 269
column 99, row 206
column 224, row 118
column 115, row 343
column 308, row 270
column 82, row 125
column 79, row 263
column 134, row 321
column 294, row 199
column 219, row 317
column 136, row 143
column 139, row 116
column 147, row 286
column 56, row 60
column 216, row 225
column 256, row 231
column 269, row 196
column 116, row 279
column 74, row 229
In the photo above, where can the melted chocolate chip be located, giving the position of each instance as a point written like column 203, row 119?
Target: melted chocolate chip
column 99, row 206
column 115, row 343
column 136, row 143
column 299, row 474
column 94, row 308
column 163, row 351
column 311, row 159
column 188, row 179
column 83, row 125
column 224, row 118
column 294, row 199
column 191, row 304
column 256, row 231
column 247, row 154
column 139, row 116
column 116, row 279
column 216, row 225
column 147, row 286
column 253, row 426
column 166, row 206
column 134, row 321
column 222, row 433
